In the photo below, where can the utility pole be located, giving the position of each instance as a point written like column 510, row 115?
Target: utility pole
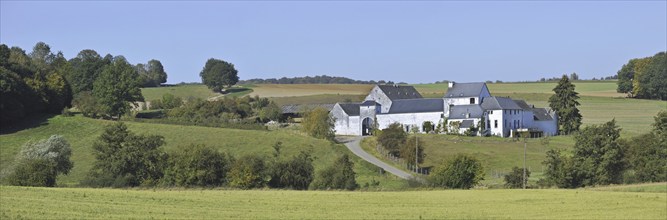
column 524, row 164
column 416, row 151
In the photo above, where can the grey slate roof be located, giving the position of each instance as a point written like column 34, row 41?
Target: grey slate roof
column 466, row 124
column 465, row 90
column 369, row 103
column 351, row 109
column 396, row 92
column 541, row 114
column 460, row 111
column 298, row 108
column 416, row 106
column 522, row 104
column 498, row 103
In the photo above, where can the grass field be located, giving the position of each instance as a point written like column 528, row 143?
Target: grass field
column 61, row 203
column 285, row 90
column 585, row 88
column 191, row 91
column 81, row 132
column 498, row 155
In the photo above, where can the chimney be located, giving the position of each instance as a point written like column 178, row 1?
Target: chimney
column 451, row 84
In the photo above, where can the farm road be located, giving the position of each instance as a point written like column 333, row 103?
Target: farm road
column 353, row 143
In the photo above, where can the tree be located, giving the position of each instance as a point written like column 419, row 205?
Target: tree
column 407, row 151
column 86, row 66
column 39, row 163
column 644, row 77
column 218, row 74
column 392, row 138
column 460, row 172
column 248, row 172
column 151, row 74
column 123, row 158
column 564, row 102
column 597, row 151
column 598, row 159
column 296, row 173
column 574, row 76
column 318, row 123
column 647, row 154
column 197, row 165
column 653, row 78
column 117, row 86
column 338, row 176
column 514, row 179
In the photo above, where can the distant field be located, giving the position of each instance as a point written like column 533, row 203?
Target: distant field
column 66, row 203
column 585, row 88
column 183, row 91
column 284, row 90
column 318, row 99
column 191, row 91
column 498, row 155
column 82, row 132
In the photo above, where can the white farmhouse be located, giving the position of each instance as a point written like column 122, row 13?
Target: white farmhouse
column 465, row 106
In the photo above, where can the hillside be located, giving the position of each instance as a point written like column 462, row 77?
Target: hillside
column 498, row 155
column 61, row 203
column 599, row 100
column 81, row 132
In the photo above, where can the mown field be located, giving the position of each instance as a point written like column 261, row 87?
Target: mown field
column 498, row 155
column 191, row 91
column 286, row 90
column 61, row 203
column 81, row 132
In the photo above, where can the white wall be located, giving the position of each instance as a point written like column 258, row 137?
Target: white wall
column 384, row 120
column 344, row 124
column 475, row 122
column 378, row 96
column 550, row 128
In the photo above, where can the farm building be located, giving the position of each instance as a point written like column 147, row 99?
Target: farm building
column 465, row 106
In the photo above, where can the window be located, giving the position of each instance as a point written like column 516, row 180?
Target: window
column 488, row 124
column 472, row 100
column 495, row 123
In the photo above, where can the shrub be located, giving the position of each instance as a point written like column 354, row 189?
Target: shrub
column 319, row 124
column 514, row 179
column 125, row 159
column 296, row 173
column 339, row 176
column 248, row 172
column 197, row 165
column 460, row 172
column 39, row 163
column 392, row 138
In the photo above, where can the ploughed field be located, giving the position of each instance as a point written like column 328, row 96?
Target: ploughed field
column 84, row 203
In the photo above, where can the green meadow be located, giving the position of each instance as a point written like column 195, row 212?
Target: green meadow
column 81, row 132
column 86, row 203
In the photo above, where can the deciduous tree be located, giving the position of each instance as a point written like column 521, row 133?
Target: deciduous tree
column 117, row 87
column 218, row 74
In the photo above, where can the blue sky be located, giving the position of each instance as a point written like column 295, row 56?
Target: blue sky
column 415, row 42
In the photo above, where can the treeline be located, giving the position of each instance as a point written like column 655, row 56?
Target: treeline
column 323, row 79
column 644, row 78
column 126, row 159
column 601, row 157
column 44, row 82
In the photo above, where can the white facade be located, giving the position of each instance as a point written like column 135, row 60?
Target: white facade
column 501, row 116
column 410, row 119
